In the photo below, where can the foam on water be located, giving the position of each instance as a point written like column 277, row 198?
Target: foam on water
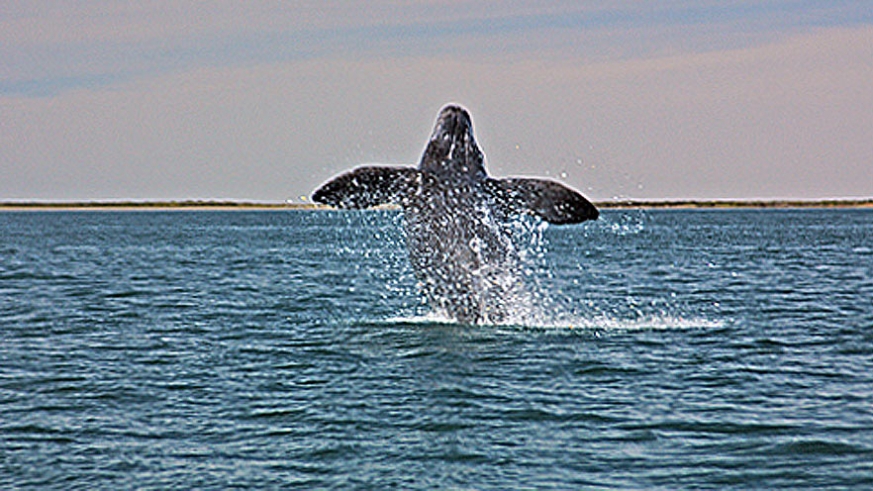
column 653, row 323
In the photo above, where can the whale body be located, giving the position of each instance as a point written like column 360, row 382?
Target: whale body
column 458, row 220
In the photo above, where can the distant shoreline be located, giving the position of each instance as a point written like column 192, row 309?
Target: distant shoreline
column 155, row 205
column 728, row 204
column 193, row 205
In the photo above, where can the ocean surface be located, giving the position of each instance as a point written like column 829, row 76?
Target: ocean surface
column 669, row 350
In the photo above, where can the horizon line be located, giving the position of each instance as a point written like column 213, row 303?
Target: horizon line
column 194, row 204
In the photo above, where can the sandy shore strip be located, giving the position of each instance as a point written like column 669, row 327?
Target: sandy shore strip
column 244, row 205
column 729, row 204
column 153, row 206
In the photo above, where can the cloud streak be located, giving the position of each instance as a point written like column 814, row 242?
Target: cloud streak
column 95, row 43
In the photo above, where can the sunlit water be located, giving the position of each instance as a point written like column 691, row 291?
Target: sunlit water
column 290, row 349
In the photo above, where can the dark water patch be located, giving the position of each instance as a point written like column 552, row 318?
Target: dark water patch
column 819, row 448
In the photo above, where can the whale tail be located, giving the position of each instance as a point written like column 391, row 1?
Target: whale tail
column 370, row 186
column 549, row 200
column 366, row 187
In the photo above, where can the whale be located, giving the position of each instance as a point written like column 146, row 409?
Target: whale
column 458, row 220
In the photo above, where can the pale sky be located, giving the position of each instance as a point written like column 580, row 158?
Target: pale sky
column 264, row 100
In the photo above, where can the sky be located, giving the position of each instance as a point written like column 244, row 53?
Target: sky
column 264, row 100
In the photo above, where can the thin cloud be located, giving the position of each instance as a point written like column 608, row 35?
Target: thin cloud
column 788, row 119
column 51, row 48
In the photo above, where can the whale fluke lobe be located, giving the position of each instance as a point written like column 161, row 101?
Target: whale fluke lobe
column 458, row 221
column 366, row 187
column 549, row 200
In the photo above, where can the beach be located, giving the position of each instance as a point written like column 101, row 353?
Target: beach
column 229, row 205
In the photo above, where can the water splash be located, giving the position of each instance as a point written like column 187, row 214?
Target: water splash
column 553, row 280
column 534, row 292
column 628, row 222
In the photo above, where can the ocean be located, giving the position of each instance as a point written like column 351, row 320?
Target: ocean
column 671, row 349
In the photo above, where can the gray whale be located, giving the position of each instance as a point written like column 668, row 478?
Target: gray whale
column 458, row 219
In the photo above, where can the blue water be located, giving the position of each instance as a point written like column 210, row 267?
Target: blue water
column 290, row 349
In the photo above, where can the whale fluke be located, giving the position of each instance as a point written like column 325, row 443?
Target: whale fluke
column 549, row 200
column 366, row 187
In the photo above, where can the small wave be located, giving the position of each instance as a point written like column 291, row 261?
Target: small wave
column 819, row 447
column 428, row 318
column 643, row 324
